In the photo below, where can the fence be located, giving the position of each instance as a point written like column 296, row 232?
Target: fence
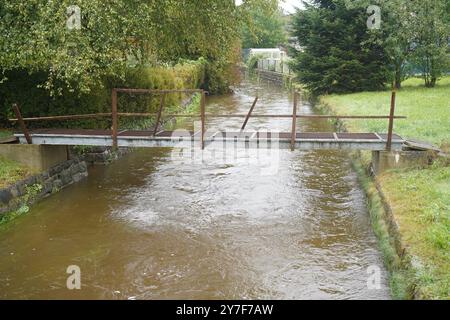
column 203, row 116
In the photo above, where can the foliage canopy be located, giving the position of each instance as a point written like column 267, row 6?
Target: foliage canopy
column 115, row 35
column 341, row 54
column 265, row 31
column 335, row 54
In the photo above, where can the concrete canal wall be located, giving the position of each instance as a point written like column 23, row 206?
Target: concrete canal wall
column 30, row 190
column 36, row 157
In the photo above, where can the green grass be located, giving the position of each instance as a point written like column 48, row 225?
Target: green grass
column 192, row 108
column 420, row 199
column 427, row 109
column 401, row 278
column 11, row 172
column 5, row 133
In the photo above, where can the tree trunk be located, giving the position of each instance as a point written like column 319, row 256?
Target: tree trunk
column 433, row 73
column 433, row 82
column 398, row 75
column 398, row 80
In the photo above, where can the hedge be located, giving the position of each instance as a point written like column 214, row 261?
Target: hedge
column 35, row 101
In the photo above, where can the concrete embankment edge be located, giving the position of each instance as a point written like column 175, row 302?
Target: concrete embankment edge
column 32, row 189
column 399, row 262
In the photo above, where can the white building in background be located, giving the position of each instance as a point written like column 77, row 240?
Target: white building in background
column 274, row 59
column 274, row 53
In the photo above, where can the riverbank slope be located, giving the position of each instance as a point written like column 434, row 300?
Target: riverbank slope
column 418, row 198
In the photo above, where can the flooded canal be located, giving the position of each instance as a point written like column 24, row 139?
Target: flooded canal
column 156, row 225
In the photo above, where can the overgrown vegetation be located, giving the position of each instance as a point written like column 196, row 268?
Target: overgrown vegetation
column 84, row 50
column 419, row 198
column 252, row 62
column 56, row 59
column 193, row 107
column 340, row 53
column 337, row 55
column 427, row 110
column 401, row 277
column 31, row 192
column 5, row 133
column 185, row 74
column 11, row 172
column 267, row 30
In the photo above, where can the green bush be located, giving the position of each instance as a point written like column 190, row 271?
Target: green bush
column 36, row 101
column 252, row 62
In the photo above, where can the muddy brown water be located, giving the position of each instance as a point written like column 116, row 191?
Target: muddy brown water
column 223, row 224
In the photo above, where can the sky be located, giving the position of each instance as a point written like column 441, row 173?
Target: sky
column 290, row 5
column 287, row 5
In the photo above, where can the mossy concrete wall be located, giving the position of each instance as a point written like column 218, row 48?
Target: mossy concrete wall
column 384, row 160
column 45, row 184
column 37, row 157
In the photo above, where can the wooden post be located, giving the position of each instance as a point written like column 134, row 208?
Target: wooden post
column 114, row 118
column 249, row 113
column 391, row 121
column 158, row 118
column 203, row 119
column 22, row 123
column 294, row 121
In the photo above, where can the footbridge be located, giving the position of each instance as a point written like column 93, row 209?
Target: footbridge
column 203, row 137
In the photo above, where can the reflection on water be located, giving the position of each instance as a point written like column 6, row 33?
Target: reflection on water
column 155, row 225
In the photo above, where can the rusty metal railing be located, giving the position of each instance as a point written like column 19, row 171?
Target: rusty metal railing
column 163, row 93
column 203, row 115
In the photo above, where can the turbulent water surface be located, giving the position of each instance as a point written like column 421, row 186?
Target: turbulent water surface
column 223, row 224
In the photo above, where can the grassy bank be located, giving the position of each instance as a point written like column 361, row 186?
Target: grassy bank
column 401, row 278
column 11, row 172
column 419, row 199
column 5, row 133
column 427, row 109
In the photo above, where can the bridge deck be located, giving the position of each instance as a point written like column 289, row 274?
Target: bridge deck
column 183, row 138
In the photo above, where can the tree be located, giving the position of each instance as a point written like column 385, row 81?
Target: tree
column 412, row 33
column 431, row 39
column 35, row 37
column 265, row 31
column 395, row 35
column 397, row 27
column 336, row 54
